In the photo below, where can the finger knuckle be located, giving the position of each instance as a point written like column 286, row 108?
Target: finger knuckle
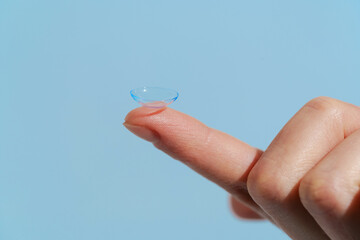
column 265, row 188
column 325, row 105
column 318, row 195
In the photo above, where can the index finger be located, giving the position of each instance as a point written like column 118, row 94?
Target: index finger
column 218, row 156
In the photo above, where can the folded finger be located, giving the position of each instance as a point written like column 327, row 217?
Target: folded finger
column 312, row 133
column 331, row 190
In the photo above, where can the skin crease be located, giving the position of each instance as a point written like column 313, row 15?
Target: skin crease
column 306, row 182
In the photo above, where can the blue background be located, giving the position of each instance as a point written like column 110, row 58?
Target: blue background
column 70, row 170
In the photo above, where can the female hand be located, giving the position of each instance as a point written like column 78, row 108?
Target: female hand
column 306, row 182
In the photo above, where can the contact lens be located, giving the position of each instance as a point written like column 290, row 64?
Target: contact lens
column 154, row 97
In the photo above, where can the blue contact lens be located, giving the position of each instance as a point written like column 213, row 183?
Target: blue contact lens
column 154, row 97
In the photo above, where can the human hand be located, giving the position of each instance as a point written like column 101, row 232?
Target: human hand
column 306, row 182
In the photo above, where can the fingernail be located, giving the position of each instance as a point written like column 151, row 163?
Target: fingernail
column 142, row 132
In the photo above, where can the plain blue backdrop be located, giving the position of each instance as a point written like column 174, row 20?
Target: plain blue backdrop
column 70, row 170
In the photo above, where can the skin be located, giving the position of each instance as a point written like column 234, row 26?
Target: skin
column 307, row 182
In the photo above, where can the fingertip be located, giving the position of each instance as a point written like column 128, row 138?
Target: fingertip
column 155, row 124
column 143, row 132
column 241, row 211
column 142, row 112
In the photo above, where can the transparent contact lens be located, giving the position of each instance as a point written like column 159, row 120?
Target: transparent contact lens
column 154, row 97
